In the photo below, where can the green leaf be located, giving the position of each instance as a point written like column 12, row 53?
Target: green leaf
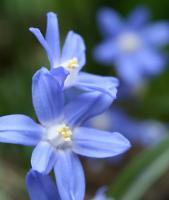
column 141, row 173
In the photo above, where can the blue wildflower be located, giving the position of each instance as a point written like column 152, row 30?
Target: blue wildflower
column 41, row 186
column 145, row 133
column 100, row 194
column 60, row 135
column 72, row 58
column 132, row 46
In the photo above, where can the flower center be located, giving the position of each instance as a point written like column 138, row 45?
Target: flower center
column 60, row 136
column 72, row 67
column 129, row 42
column 65, row 132
column 71, row 64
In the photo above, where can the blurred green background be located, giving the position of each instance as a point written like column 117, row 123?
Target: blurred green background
column 21, row 55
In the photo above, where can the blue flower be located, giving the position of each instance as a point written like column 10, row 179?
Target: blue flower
column 41, row 186
column 101, row 194
column 145, row 133
column 60, row 135
column 132, row 46
column 72, row 58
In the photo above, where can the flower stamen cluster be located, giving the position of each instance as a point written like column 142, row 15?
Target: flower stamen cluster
column 65, row 132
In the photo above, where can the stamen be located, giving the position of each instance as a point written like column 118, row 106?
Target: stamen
column 65, row 132
column 73, row 63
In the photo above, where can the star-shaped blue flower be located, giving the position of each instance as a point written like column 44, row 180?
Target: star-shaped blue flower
column 132, row 45
column 42, row 187
column 72, row 58
column 61, row 136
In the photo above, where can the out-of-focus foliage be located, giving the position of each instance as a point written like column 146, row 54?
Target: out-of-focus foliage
column 141, row 173
column 21, row 56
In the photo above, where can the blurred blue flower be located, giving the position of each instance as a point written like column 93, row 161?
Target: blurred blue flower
column 100, row 194
column 60, row 136
column 132, row 45
column 41, row 186
column 145, row 133
column 72, row 58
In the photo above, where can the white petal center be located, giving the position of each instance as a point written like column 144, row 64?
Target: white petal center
column 129, row 42
column 72, row 67
column 71, row 64
column 60, row 136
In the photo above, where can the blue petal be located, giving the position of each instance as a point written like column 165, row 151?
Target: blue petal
column 44, row 44
column 52, row 36
column 152, row 62
column 48, row 98
column 139, row 17
column 106, row 52
column 129, row 70
column 41, row 187
column 98, row 144
column 70, row 177
column 157, row 33
column 90, row 82
column 19, row 129
column 43, row 157
column 85, row 106
column 74, row 47
column 60, row 74
column 151, row 133
column 109, row 21
column 100, row 194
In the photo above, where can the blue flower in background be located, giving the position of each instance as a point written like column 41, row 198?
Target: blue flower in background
column 72, row 58
column 100, row 194
column 132, row 45
column 60, row 137
column 143, row 132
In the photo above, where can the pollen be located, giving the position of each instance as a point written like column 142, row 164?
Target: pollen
column 65, row 132
column 72, row 63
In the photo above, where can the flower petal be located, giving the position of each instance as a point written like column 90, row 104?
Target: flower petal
column 60, row 74
column 109, row 21
column 139, row 17
column 91, row 82
column 70, row 177
column 98, row 144
column 41, row 187
column 52, row 36
column 43, row 157
column 106, row 52
column 157, row 33
column 19, row 129
column 44, row 44
column 101, row 194
column 48, row 98
column 129, row 70
column 152, row 62
column 74, row 47
column 85, row 106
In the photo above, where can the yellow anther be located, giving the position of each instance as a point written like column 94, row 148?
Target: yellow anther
column 72, row 64
column 65, row 132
